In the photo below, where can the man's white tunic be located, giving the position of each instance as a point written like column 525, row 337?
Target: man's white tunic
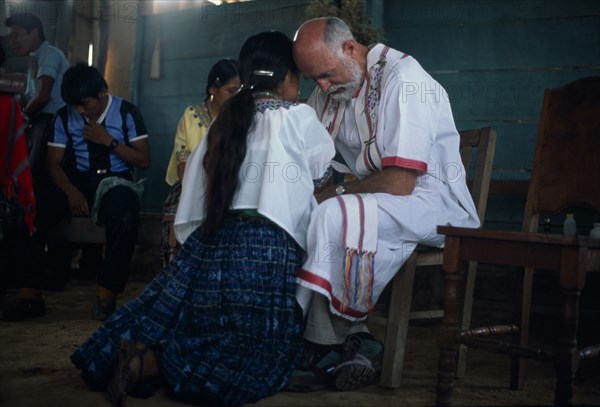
column 401, row 117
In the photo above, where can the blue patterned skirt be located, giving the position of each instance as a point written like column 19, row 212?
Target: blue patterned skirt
column 222, row 318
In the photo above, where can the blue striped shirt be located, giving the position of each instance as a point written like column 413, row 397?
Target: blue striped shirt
column 123, row 121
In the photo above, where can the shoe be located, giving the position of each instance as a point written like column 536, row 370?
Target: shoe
column 21, row 309
column 103, row 308
column 315, row 368
column 361, row 366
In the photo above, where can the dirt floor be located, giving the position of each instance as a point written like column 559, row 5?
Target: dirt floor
column 35, row 370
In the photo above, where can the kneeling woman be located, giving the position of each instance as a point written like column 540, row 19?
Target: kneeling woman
column 220, row 325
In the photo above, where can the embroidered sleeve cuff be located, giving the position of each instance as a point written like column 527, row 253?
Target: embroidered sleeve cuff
column 404, row 163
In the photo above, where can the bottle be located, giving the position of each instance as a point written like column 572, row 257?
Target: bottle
column 595, row 232
column 569, row 225
column 547, row 225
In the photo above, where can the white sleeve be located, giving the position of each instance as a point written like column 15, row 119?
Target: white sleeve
column 406, row 122
column 318, row 144
column 190, row 212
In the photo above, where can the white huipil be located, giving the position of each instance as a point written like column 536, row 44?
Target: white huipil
column 401, row 117
column 287, row 147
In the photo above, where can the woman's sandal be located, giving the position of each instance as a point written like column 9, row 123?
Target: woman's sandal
column 127, row 373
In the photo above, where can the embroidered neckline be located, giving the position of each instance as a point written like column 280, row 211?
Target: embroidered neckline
column 263, row 105
column 332, row 114
column 202, row 113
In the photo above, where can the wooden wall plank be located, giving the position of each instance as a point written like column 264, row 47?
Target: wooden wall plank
column 517, row 44
column 406, row 13
column 493, row 57
column 501, row 95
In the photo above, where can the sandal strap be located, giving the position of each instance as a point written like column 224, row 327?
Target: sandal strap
column 125, row 379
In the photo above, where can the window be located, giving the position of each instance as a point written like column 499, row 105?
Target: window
column 162, row 6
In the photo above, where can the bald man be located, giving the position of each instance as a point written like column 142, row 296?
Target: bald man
column 394, row 132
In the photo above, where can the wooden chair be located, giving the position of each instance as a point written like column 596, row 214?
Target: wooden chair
column 566, row 173
column 398, row 306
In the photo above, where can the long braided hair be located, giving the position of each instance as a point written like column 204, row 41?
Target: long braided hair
column 227, row 137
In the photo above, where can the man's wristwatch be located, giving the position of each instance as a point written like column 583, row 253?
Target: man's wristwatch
column 113, row 144
column 340, row 190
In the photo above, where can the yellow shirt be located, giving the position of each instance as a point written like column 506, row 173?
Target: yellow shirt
column 190, row 131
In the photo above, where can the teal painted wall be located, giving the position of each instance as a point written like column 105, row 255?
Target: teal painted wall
column 495, row 58
column 191, row 41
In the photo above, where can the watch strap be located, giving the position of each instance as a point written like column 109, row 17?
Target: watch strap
column 113, row 144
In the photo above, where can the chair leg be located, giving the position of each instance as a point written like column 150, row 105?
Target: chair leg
column 517, row 368
column 467, row 313
column 446, row 338
column 567, row 353
column 397, row 323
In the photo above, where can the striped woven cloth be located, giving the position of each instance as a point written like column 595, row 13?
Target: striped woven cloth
column 222, row 318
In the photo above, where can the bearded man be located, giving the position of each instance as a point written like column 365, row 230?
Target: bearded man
column 394, row 132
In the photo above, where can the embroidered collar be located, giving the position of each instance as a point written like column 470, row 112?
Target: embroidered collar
column 263, row 105
column 366, row 108
column 202, row 113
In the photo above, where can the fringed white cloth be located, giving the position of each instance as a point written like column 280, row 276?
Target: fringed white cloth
column 360, row 223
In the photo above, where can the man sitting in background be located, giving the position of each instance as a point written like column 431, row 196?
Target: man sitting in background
column 96, row 142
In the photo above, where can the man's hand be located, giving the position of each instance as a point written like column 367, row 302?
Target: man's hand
column 325, row 193
column 96, row 133
column 77, row 203
column 391, row 180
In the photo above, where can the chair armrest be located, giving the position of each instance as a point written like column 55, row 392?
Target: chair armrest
column 509, row 235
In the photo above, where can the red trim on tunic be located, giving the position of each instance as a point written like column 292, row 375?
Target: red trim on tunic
column 369, row 164
column 357, row 93
column 325, row 107
column 361, row 206
column 404, row 163
column 372, row 141
column 345, row 219
column 331, row 126
column 335, row 302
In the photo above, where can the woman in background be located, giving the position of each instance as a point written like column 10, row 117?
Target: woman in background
column 223, row 82
column 220, row 325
